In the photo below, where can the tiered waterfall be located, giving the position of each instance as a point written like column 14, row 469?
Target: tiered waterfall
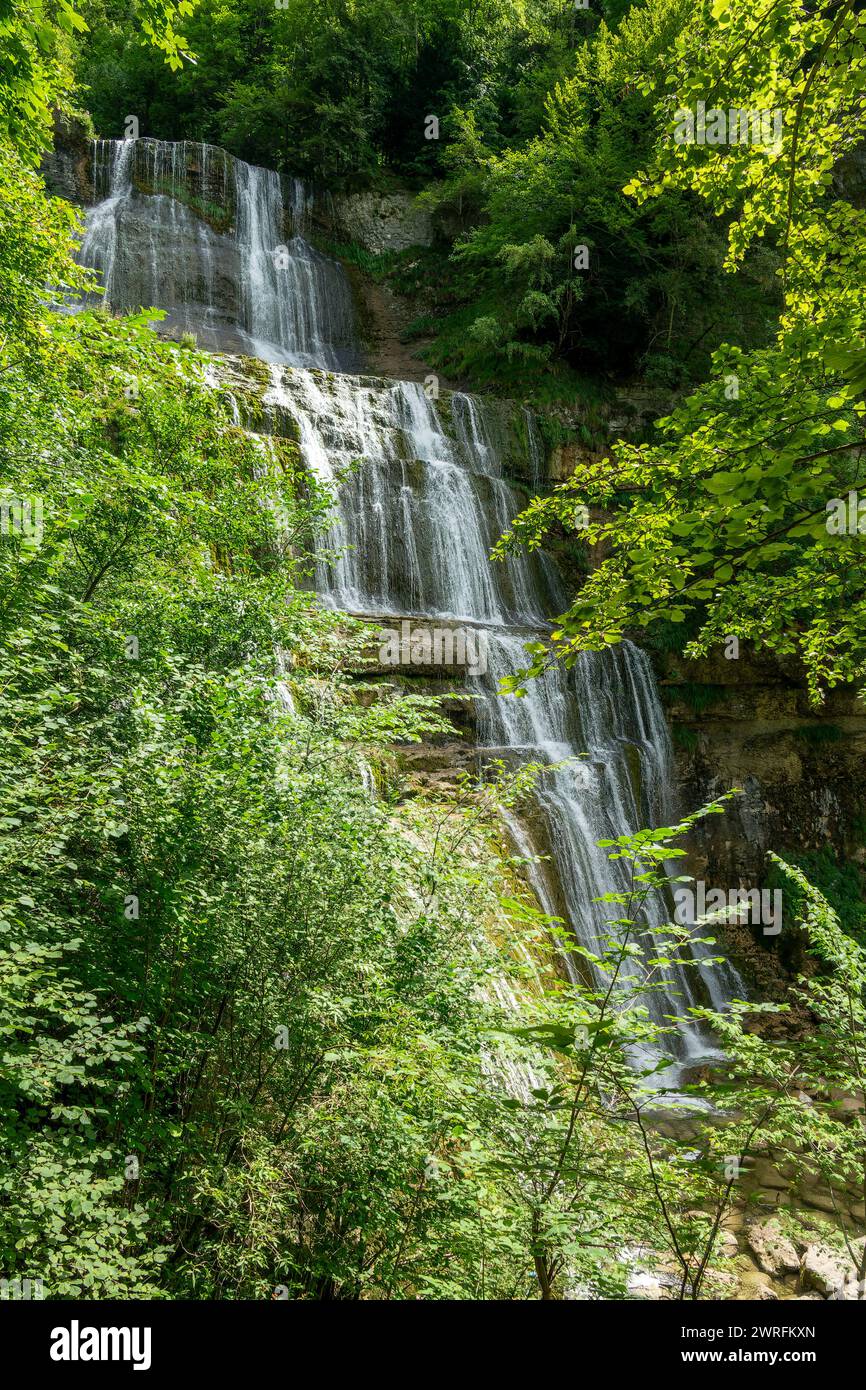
column 220, row 246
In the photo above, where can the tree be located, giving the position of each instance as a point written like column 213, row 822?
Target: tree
column 36, row 49
column 743, row 519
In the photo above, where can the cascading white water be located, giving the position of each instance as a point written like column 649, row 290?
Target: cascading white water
column 421, row 500
column 112, row 179
column 293, row 298
column 187, row 228
column 416, row 525
column 606, row 710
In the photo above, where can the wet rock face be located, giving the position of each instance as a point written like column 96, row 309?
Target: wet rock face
column 164, row 255
column 218, row 244
column 173, row 244
column 66, row 176
column 66, row 167
column 199, row 177
column 746, row 723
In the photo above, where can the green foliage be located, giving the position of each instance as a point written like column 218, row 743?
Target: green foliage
column 724, row 521
column 36, row 60
column 699, row 697
column 326, row 88
column 684, row 738
column 542, row 120
column 806, row 1096
column 37, row 236
column 840, row 883
column 221, row 958
column 251, row 1022
column 817, row 734
column 597, row 1122
column 651, row 295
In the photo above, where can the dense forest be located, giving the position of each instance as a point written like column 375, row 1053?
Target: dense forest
column 321, row 981
column 543, row 117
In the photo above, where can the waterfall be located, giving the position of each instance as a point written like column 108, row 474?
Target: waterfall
column 423, row 492
column 111, row 176
column 292, row 297
column 416, row 524
column 606, row 709
column 187, row 228
column 418, row 513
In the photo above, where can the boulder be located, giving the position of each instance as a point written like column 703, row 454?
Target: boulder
column 826, row 1270
column 773, row 1251
column 820, row 1198
column 727, row 1245
column 767, row 1175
